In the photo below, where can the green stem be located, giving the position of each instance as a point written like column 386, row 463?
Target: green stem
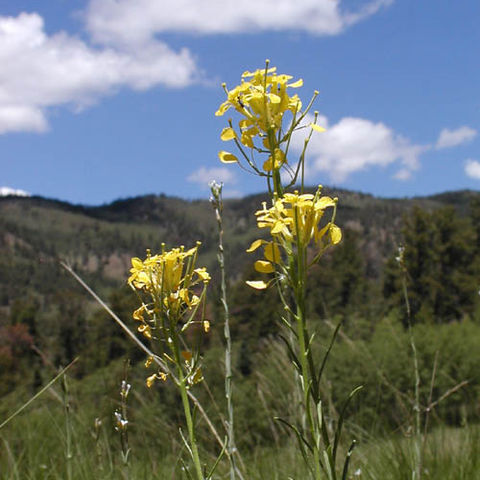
column 68, row 427
column 306, row 359
column 231, row 449
column 416, row 407
column 187, row 410
column 190, row 427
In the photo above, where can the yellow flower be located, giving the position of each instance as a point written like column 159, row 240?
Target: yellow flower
column 170, row 279
column 294, row 222
column 262, row 99
column 295, row 218
column 156, row 376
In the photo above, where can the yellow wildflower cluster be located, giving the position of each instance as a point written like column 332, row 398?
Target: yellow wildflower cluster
column 172, row 288
column 170, row 280
column 262, row 98
column 294, row 222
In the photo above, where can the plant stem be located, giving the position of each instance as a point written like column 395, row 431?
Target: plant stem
column 417, row 473
column 190, row 427
column 231, row 448
column 68, row 427
column 186, row 408
column 306, row 360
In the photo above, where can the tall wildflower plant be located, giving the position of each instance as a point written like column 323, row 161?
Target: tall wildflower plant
column 300, row 228
column 217, row 203
column 171, row 290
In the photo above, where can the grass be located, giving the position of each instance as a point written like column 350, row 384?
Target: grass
column 34, row 448
column 34, row 444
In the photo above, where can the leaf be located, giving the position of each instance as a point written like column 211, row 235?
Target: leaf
column 301, row 441
column 327, row 353
column 212, row 470
column 341, row 418
column 347, row 460
column 293, row 356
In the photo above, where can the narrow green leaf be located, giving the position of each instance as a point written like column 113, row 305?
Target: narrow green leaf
column 347, row 460
column 45, row 388
column 342, row 416
column 291, row 353
column 327, row 353
column 210, row 474
column 300, row 437
column 185, row 469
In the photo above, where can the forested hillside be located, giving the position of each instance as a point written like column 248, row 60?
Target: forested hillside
column 428, row 248
column 43, row 307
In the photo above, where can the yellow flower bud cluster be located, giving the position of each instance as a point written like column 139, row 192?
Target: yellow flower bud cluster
column 294, row 222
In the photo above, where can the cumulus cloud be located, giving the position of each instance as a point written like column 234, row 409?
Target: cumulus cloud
column 355, row 144
column 472, row 169
column 452, row 138
column 49, row 70
column 127, row 22
column 203, row 176
column 60, row 69
column 7, row 191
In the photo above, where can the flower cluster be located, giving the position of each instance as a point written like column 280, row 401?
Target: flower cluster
column 170, row 280
column 294, row 222
column 173, row 289
column 262, row 99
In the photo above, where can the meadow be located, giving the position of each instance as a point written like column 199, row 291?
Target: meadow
column 302, row 333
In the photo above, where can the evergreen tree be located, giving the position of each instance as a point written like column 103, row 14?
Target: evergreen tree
column 439, row 255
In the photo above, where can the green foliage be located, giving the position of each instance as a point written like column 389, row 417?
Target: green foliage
column 440, row 257
column 41, row 307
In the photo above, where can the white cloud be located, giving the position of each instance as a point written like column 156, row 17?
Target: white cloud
column 403, row 174
column 6, row 191
column 355, row 144
column 203, row 176
column 472, row 169
column 126, row 22
column 15, row 118
column 42, row 71
column 452, row 138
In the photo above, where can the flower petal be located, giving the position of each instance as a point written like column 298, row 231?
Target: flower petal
column 228, row 133
column 257, row 284
column 335, row 234
column 227, row 157
column 317, row 128
column 263, row 266
column 272, row 252
column 298, row 83
column 256, row 244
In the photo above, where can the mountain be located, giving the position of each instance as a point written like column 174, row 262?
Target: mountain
column 46, row 318
column 35, row 233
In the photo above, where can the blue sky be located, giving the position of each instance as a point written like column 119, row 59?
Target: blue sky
column 103, row 99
